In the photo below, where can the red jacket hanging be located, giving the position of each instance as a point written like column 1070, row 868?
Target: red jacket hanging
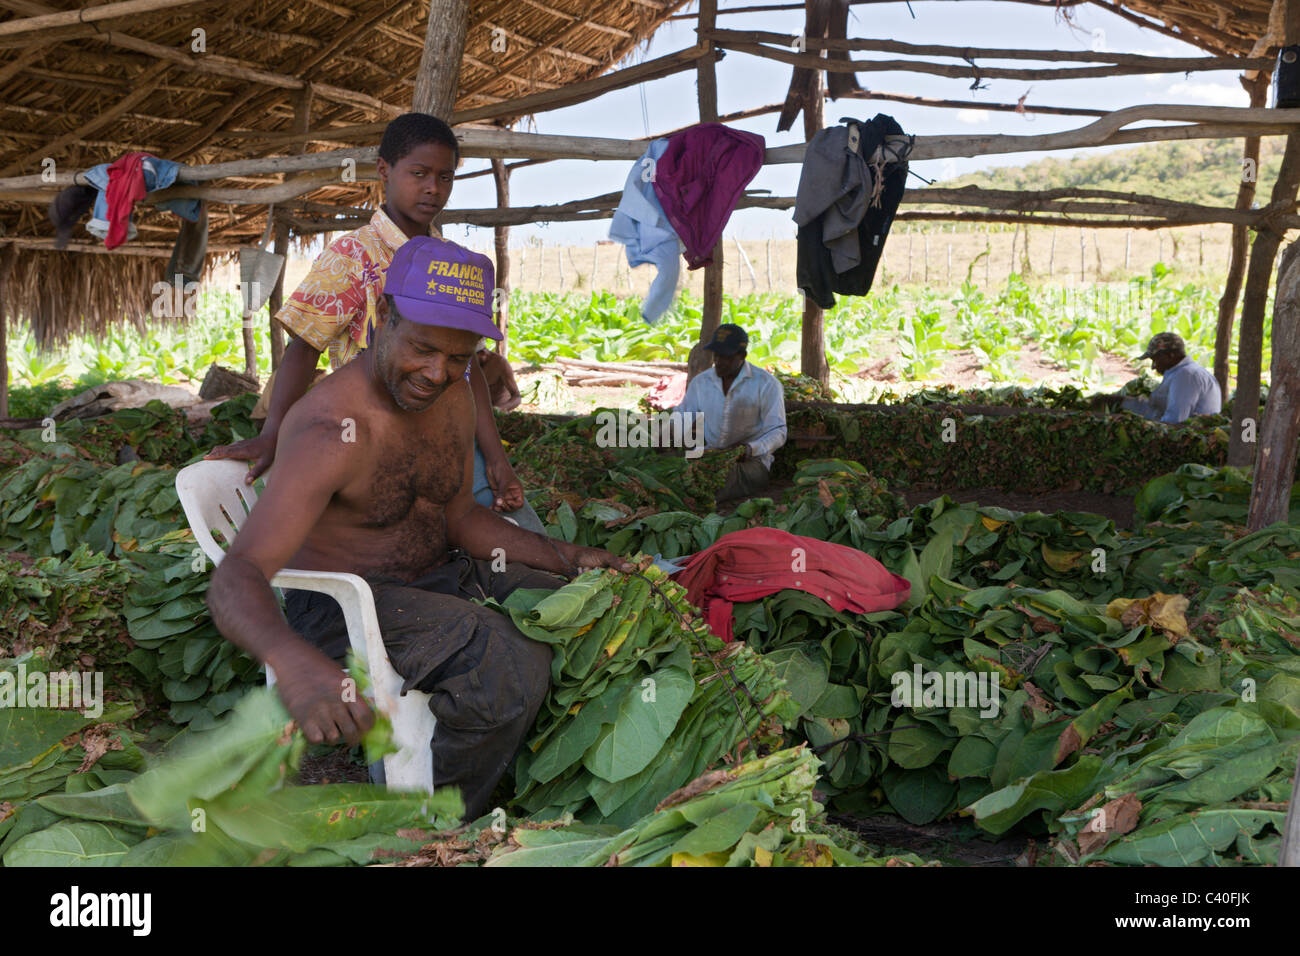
column 125, row 188
column 752, row 563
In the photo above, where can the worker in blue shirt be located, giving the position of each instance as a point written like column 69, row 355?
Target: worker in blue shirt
column 743, row 406
column 1187, row 388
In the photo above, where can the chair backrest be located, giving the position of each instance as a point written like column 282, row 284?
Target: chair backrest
column 215, row 498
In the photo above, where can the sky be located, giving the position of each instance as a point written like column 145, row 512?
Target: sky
column 746, row 81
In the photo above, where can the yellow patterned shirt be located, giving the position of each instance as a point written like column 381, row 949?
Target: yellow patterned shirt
column 340, row 303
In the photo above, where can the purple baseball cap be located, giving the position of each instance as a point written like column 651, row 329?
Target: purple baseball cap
column 436, row 282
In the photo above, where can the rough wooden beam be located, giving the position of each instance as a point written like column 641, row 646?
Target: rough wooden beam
column 501, row 240
column 93, row 14
column 971, row 104
column 706, row 83
column 812, row 61
column 1157, row 64
column 1239, row 247
column 585, row 90
column 438, row 75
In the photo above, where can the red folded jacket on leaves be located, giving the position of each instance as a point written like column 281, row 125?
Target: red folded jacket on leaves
column 752, row 563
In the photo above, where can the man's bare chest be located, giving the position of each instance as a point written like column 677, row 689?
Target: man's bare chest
column 413, row 479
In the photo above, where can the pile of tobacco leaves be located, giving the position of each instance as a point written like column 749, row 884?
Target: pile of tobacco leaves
column 1132, row 696
column 567, row 464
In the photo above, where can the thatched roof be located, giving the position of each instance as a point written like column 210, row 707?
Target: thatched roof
column 85, row 93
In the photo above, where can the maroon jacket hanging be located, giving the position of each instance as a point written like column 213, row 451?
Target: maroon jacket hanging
column 699, row 180
column 752, row 563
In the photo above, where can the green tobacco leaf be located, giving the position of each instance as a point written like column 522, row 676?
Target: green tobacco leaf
column 1190, row 838
column 641, row 726
column 805, row 677
column 915, row 747
column 576, row 604
column 299, row 818
column 204, row 765
column 1051, row 790
column 919, row 796
column 72, row 844
column 109, row 805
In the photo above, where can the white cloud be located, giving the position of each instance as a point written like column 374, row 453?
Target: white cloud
column 1213, row 94
column 973, row 116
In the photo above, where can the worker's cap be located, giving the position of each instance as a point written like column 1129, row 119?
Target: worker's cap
column 1164, row 342
column 436, row 282
column 729, row 339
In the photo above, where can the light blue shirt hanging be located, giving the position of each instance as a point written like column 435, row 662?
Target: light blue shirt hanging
column 640, row 224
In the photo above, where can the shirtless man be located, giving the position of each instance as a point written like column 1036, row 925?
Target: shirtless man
column 372, row 475
column 502, row 388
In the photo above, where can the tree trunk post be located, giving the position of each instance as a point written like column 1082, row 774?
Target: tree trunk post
column 813, row 339
column 501, row 234
column 8, row 258
column 706, row 83
column 1239, row 244
column 1250, row 345
column 444, row 43
column 1270, row 496
column 280, row 230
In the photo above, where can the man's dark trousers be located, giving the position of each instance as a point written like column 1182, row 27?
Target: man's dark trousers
column 486, row 680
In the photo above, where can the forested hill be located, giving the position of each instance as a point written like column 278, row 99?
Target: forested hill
column 1201, row 171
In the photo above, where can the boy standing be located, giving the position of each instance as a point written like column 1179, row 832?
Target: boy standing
column 339, row 306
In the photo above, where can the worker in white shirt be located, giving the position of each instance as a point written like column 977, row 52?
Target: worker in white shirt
column 743, row 406
column 1186, row 389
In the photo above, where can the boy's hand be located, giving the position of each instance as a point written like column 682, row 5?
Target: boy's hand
column 508, row 491
column 260, row 450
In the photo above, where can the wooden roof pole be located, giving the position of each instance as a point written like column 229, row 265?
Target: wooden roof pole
column 444, row 42
column 1250, row 345
column 706, row 82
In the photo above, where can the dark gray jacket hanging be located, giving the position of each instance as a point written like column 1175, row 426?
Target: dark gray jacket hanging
column 852, row 181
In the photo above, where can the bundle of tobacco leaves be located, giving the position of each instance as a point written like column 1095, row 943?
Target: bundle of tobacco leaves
column 802, row 388
column 46, row 748
column 1199, row 493
column 570, row 463
column 758, row 813
column 52, row 505
column 643, row 698
column 219, row 798
column 68, row 612
column 200, row 672
column 1029, row 452
column 156, row 431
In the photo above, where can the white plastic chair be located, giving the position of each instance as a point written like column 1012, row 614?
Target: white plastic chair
column 214, row 496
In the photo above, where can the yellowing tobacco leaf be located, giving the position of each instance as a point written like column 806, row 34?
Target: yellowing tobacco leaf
column 1165, row 612
column 1061, row 561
